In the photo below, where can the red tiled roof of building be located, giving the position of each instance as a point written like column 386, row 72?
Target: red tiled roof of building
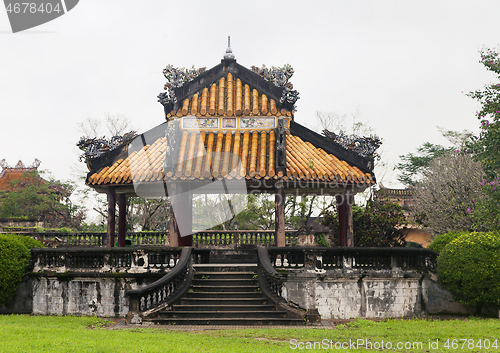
column 10, row 174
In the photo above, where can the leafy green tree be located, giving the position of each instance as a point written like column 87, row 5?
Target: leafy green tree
column 379, row 224
column 298, row 210
column 486, row 212
column 485, row 146
column 148, row 214
column 414, row 165
column 47, row 200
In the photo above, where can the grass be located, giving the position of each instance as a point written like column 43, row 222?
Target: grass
column 22, row 333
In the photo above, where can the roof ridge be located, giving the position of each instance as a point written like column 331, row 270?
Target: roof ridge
column 194, row 81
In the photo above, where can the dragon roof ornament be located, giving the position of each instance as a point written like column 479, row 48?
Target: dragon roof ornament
column 177, row 77
column 280, row 76
column 95, row 147
column 365, row 146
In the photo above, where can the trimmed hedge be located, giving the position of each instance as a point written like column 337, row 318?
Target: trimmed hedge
column 469, row 267
column 14, row 259
column 442, row 240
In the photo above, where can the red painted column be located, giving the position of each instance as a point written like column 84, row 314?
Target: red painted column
column 122, row 220
column 110, row 241
column 185, row 219
column 173, row 230
column 181, row 216
column 344, row 208
column 279, row 214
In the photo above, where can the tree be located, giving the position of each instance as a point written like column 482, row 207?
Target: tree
column 47, row 200
column 381, row 223
column 336, row 122
column 485, row 146
column 114, row 125
column 298, row 209
column 148, row 214
column 256, row 211
column 414, row 165
column 448, row 193
column 332, row 123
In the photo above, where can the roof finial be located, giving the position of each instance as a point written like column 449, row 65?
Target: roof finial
column 229, row 52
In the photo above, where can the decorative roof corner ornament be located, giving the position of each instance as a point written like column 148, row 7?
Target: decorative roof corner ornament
column 280, row 76
column 365, row 146
column 229, row 52
column 95, row 147
column 20, row 165
column 36, row 163
column 289, row 96
column 176, row 77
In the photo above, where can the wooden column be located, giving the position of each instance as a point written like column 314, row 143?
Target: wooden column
column 173, row 230
column 279, row 214
column 344, row 208
column 122, row 219
column 185, row 219
column 350, row 231
column 181, row 219
column 110, row 240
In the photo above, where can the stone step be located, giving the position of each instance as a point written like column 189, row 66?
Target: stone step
column 199, row 314
column 229, row 288
column 231, row 256
column 224, row 282
column 224, row 307
column 223, row 301
column 224, row 275
column 222, row 294
column 220, row 268
column 230, row 321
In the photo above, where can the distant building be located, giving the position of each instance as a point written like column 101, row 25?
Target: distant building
column 404, row 198
column 8, row 175
column 13, row 173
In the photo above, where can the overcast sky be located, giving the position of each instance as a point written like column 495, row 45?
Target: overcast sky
column 406, row 65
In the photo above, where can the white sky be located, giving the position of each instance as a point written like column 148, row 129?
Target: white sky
column 405, row 64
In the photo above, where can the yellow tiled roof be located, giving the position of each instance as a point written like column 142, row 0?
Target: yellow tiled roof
column 228, row 97
column 231, row 155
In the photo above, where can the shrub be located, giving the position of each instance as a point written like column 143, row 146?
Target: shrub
column 14, row 259
column 469, row 267
column 439, row 242
column 30, row 243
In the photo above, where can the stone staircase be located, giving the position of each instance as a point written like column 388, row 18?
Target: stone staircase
column 223, row 294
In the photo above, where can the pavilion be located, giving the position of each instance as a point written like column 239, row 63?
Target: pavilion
column 228, row 129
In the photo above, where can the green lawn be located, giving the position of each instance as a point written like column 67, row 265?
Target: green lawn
column 21, row 333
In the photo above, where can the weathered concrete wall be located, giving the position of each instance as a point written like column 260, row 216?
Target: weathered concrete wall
column 369, row 294
column 103, row 296
column 438, row 300
column 336, row 294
